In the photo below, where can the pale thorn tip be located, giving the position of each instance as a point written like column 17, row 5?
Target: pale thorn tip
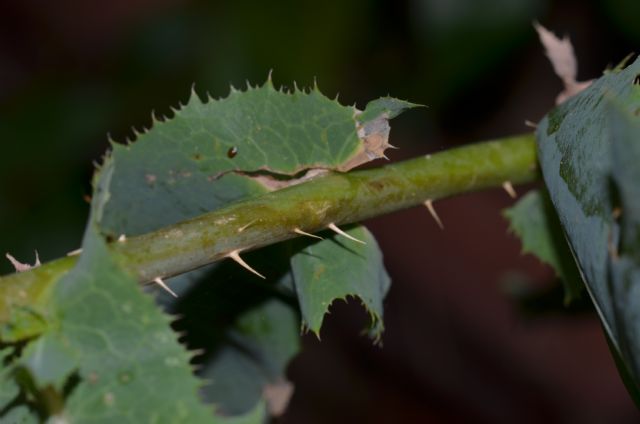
column 75, row 252
column 391, row 146
column 337, row 230
column 162, row 284
column 302, row 233
column 235, row 255
column 508, row 187
column 19, row 266
column 122, row 238
column 530, row 124
column 429, row 204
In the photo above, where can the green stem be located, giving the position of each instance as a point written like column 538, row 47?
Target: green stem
column 339, row 198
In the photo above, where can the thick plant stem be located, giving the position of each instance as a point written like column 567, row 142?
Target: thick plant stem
column 338, row 198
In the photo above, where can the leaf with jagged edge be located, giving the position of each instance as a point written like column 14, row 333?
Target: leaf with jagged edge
column 575, row 152
column 129, row 364
column 321, row 277
column 536, row 223
column 211, row 154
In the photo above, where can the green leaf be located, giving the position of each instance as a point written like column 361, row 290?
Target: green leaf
column 20, row 415
column 536, row 223
column 625, row 129
column 625, row 262
column 49, row 361
column 213, row 153
column 9, row 389
column 25, row 322
column 107, row 342
column 384, row 107
column 246, row 328
column 209, row 154
column 130, row 365
column 335, row 268
column 575, row 151
column 11, row 410
column 262, row 342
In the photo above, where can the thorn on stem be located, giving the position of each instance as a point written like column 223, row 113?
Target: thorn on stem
column 530, row 124
column 235, row 255
column 75, row 252
column 122, row 238
column 19, row 266
column 302, row 233
column 508, row 187
column 162, row 284
column 429, row 204
column 337, row 230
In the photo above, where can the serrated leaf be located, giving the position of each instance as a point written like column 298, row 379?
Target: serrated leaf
column 124, row 348
column 198, row 160
column 536, row 223
column 215, row 153
column 335, row 268
column 105, row 341
column 575, row 151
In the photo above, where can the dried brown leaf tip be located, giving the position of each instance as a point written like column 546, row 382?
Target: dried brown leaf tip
column 373, row 130
column 19, row 266
column 375, row 140
column 563, row 59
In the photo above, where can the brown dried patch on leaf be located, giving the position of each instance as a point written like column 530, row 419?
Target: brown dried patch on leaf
column 19, row 266
column 563, row 59
column 277, row 396
column 375, row 140
column 374, row 136
column 272, row 183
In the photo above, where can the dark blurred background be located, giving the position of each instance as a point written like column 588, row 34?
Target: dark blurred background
column 475, row 331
